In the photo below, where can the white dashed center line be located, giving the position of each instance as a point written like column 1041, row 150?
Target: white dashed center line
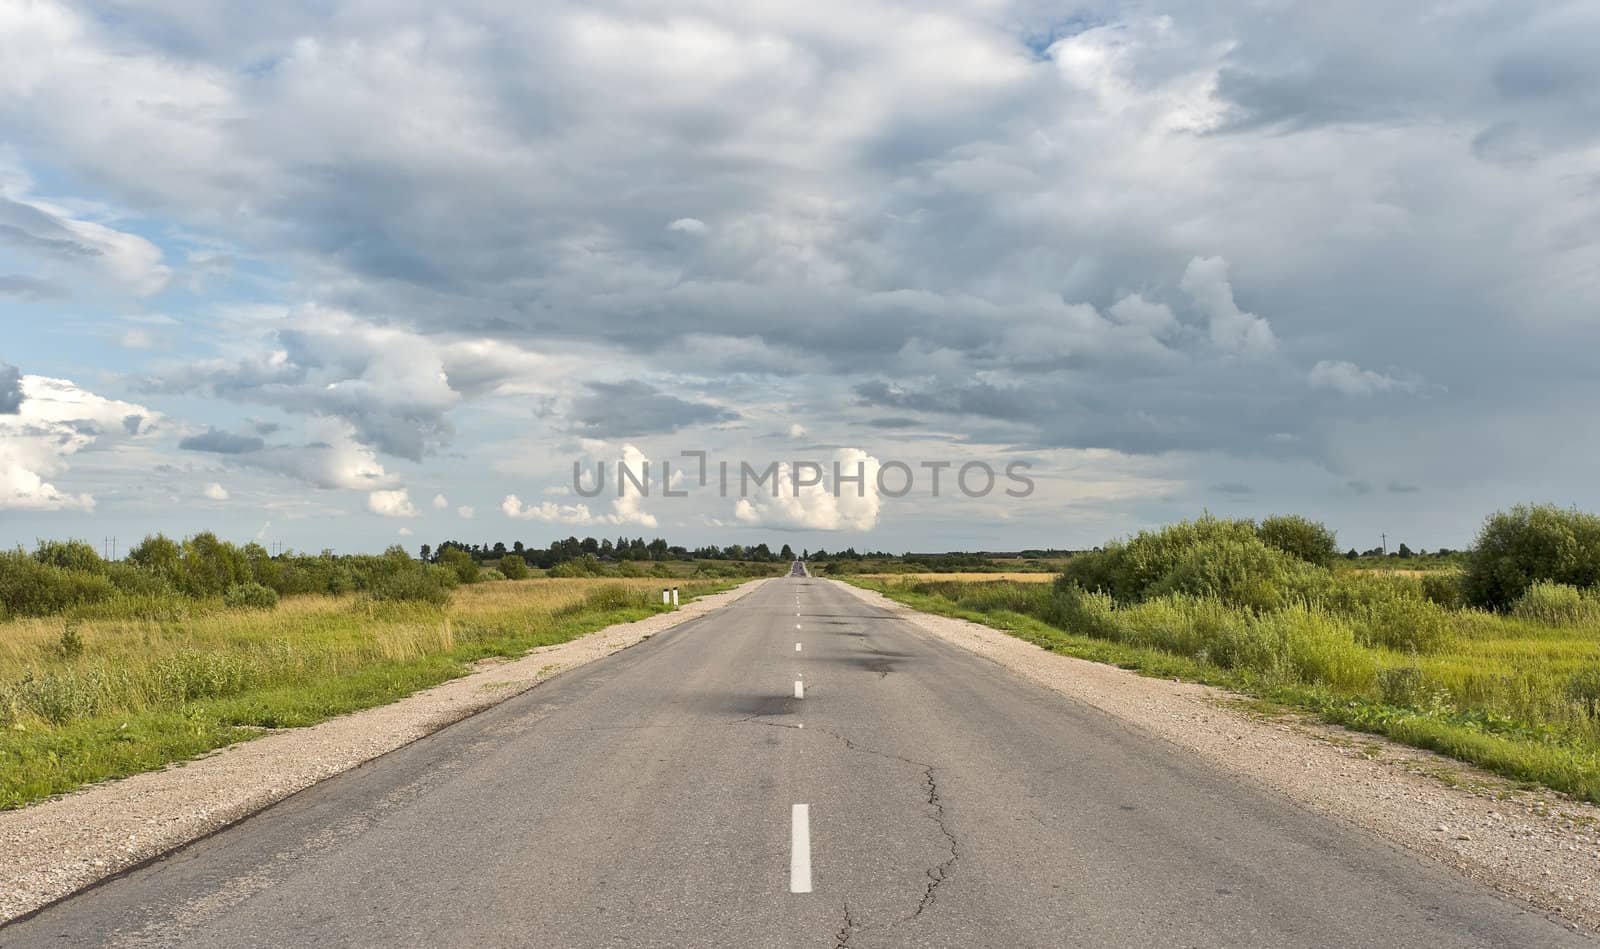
column 799, row 689
column 800, row 849
column 796, row 647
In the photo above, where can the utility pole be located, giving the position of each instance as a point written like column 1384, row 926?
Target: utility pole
column 1385, row 544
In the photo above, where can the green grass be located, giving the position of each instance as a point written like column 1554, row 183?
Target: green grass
column 85, row 700
column 1496, row 691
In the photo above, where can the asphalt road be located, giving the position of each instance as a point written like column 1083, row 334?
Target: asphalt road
column 650, row 799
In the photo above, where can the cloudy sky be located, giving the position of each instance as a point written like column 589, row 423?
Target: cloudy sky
column 355, row 273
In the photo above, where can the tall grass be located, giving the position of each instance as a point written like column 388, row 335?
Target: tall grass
column 1517, row 691
column 108, row 693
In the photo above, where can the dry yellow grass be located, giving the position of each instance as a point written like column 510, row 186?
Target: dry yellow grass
column 85, row 699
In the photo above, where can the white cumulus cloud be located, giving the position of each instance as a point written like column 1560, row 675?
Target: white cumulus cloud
column 1233, row 330
column 391, row 503
column 54, row 421
column 827, row 505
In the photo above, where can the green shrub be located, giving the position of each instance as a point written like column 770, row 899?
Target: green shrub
column 1518, row 548
column 71, row 643
column 1077, row 611
column 422, row 584
column 29, row 587
column 137, row 581
column 1294, row 535
column 1406, row 624
column 1443, row 589
column 1556, row 604
column 1241, row 571
column 158, row 553
column 585, row 566
column 1403, row 687
column 461, row 563
column 1208, row 556
column 514, row 567
column 485, row 576
column 69, row 555
column 250, row 596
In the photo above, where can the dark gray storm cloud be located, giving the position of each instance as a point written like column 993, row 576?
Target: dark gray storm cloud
column 630, row 409
column 10, row 389
column 222, row 443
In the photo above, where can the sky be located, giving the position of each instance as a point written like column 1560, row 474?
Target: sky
column 348, row 274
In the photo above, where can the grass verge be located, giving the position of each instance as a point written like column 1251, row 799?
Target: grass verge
column 1523, row 749
column 87, row 700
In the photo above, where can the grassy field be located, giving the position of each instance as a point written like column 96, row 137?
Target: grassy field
column 87, row 699
column 960, row 577
column 1516, row 693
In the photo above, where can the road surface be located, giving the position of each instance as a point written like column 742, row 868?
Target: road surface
column 679, row 793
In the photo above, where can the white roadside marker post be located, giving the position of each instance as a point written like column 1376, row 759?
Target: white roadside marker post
column 674, row 596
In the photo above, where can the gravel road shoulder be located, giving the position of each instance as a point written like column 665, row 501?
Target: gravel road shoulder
column 57, row 847
column 1539, row 845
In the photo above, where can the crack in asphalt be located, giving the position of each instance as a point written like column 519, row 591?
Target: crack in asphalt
column 841, row 939
column 758, row 720
column 938, row 873
column 941, row 872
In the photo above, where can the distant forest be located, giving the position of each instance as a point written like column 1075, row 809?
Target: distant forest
column 636, row 548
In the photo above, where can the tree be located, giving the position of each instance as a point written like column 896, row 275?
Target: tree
column 1527, row 544
column 1306, row 539
column 426, row 551
column 787, row 553
column 1404, row 553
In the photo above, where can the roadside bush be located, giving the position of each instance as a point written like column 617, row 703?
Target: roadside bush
column 156, row 552
column 1527, row 544
column 1208, row 556
column 1443, row 589
column 29, row 587
column 514, row 567
column 135, row 581
column 422, row 584
column 585, row 566
column 1241, row 571
column 209, row 565
column 1556, row 604
column 1306, row 539
column 484, row 576
column 250, row 596
column 460, row 563
column 1077, row 611
column 69, row 555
